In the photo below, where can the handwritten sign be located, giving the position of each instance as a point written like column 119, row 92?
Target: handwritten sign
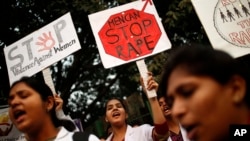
column 227, row 23
column 41, row 48
column 128, row 33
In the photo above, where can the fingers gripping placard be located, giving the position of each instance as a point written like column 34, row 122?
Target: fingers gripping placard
column 144, row 74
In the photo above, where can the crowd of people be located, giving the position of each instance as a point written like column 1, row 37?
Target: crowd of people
column 201, row 93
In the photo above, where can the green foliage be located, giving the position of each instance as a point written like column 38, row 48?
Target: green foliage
column 182, row 24
column 81, row 79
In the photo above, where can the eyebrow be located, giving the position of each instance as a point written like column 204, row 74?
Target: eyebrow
column 116, row 104
column 110, row 105
column 18, row 92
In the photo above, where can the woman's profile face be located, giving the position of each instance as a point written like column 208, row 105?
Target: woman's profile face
column 26, row 108
column 164, row 107
column 115, row 112
column 202, row 105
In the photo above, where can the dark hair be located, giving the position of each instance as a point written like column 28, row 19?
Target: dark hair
column 44, row 91
column 168, row 100
column 159, row 95
column 201, row 61
column 107, row 131
column 120, row 100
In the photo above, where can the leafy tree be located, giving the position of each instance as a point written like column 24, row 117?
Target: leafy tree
column 80, row 78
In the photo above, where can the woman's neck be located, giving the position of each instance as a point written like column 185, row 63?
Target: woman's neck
column 173, row 125
column 45, row 133
column 119, row 132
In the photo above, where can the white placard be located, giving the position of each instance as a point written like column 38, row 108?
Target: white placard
column 99, row 19
column 226, row 23
column 48, row 79
column 41, row 48
column 144, row 74
column 8, row 130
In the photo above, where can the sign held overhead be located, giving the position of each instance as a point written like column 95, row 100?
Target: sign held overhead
column 128, row 33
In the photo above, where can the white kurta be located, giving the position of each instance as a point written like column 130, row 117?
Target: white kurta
column 65, row 135
column 140, row 133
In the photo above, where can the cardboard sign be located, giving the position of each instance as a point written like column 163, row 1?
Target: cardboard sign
column 128, row 33
column 41, row 48
column 227, row 24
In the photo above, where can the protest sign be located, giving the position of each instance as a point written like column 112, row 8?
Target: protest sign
column 227, row 24
column 41, row 48
column 128, row 33
column 8, row 132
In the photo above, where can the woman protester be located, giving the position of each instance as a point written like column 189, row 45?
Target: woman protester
column 209, row 91
column 32, row 111
column 176, row 133
column 116, row 115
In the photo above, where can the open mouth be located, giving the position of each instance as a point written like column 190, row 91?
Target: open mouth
column 166, row 108
column 116, row 114
column 18, row 113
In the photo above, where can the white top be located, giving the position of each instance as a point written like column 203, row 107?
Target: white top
column 184, row 134
column 65, row 135
column 139, row 133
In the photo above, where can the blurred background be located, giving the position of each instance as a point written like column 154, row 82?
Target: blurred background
column 81, row 79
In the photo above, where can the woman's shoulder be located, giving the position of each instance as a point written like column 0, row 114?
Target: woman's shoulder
column 63, row 134
column 141, row 129
column 144, row 126
column 141, row 132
